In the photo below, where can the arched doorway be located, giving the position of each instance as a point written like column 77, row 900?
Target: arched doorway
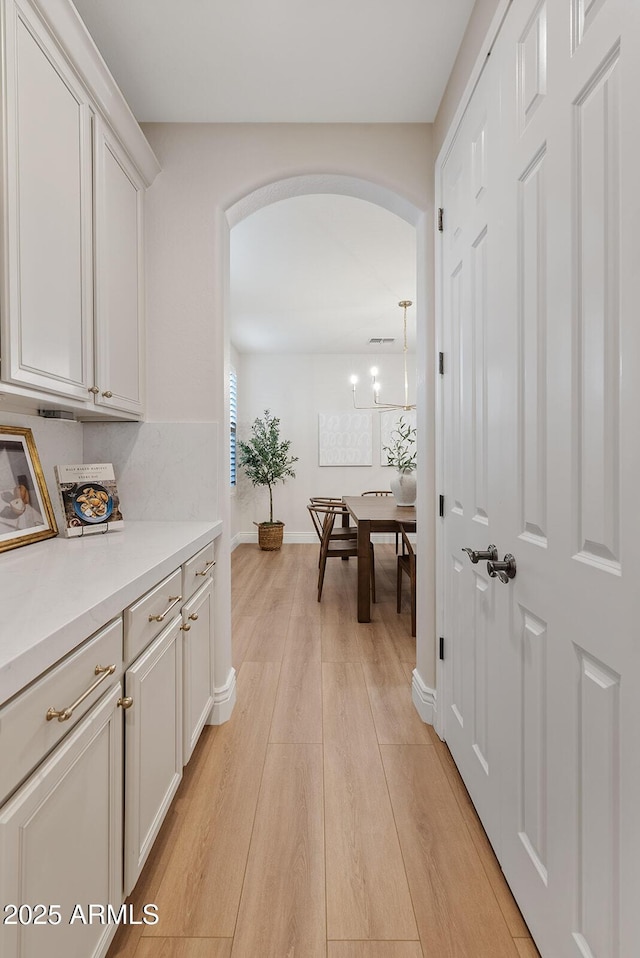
column 424, row 696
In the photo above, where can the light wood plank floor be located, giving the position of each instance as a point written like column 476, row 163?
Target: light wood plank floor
column 324, row 820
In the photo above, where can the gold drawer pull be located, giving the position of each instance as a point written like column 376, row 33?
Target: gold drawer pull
column 108, row 394
column 104, row 671
column 186, row 627
column 194, row 616
column 94, row 390
column 208, row 566
column 125, row 702
column 173, row 600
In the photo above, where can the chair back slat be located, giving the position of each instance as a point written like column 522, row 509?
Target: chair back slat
column 406, row 541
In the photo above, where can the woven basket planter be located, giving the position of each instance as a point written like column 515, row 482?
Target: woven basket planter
column 270, row 535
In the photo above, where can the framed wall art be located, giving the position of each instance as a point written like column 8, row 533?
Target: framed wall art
column 26, row 514
column 344, row 439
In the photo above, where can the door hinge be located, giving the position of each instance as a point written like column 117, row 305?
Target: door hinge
column 441, row 220
column 441, row 507
column 441, row 650
column 441, row 363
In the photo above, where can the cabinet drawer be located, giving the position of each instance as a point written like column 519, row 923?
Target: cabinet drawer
column 196, row 570
column 25, row 734
column 147, row 617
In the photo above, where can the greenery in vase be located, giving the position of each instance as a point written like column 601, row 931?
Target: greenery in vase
column 401, row 451
column 265, row 457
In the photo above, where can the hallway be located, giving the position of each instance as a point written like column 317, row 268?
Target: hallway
column 324, row 819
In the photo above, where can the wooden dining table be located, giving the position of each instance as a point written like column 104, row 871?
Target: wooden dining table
column 373, row 514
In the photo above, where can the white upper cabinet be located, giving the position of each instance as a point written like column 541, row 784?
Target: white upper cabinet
column 75, row 167
column 48, row 306
column 118, row 275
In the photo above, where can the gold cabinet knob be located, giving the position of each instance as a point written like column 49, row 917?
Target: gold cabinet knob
column 194, row 616
column 108, row 394
column 186, row 627
column 94, row 390
column 125, row 702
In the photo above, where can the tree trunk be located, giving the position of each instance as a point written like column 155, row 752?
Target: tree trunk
column 270, row 505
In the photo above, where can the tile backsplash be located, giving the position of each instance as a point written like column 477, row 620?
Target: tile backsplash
column 164, row 471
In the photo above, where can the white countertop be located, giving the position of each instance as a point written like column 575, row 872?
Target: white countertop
column 57, row 593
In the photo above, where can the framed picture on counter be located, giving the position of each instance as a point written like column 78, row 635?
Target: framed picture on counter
column 26, row 514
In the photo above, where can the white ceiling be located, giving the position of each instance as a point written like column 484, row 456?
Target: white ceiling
column 321, row 274
column 290, row 61
column 316, row 273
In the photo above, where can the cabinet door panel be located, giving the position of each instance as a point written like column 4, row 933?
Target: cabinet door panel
column 61, row 840
column 118, row 239
column 48, row 314
column 197, row 664
column 153, row 741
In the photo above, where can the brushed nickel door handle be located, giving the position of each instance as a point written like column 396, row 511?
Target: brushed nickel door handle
column 504, row 570
column 489, row 553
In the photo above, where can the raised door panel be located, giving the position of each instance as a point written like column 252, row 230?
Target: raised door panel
column 472, row 667
column 118, row 275
column 48, row 305
column 153, row 736
column 197, row 662
column 61, row 842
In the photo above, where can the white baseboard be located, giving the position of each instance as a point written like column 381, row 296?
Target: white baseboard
column 424, row 699
column 224, row 699
column 301, row 538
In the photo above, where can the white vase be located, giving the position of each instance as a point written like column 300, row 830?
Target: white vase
column 403, row 486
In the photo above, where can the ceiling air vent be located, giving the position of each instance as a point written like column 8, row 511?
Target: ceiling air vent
column 379, row 340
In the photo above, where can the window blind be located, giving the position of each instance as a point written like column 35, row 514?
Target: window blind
column 233, row 422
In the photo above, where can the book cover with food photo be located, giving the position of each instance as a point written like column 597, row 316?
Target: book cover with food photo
column 89, row 498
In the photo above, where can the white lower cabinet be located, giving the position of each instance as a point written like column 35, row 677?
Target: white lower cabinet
column 197, row 665
column 84, row 793
column 61, row 844
column 153, row 745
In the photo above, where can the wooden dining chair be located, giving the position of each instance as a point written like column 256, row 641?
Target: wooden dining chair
column 339, row 532
column 324, row 517
column 407, row 564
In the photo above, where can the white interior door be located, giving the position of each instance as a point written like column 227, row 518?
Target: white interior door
column 471, row 721
column 563, row 375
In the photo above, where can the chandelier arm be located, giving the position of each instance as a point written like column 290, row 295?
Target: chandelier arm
column 382, row 406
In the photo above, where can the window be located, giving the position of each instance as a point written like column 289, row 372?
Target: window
column 233, row 422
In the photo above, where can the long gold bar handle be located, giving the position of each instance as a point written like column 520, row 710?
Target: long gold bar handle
column 208, row 566
column 104, row 671
column 173, row 599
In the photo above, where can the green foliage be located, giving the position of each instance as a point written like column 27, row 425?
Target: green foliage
column 401, row 452
column 265, row 457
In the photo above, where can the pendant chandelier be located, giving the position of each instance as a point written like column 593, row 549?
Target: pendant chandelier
column 375, row 385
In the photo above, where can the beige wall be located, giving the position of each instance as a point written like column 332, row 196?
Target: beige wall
column 296, row 388
column 206, row 170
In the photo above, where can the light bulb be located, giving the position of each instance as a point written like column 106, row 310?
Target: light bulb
column 353, row 380
column 374, row 370
column 376, row 387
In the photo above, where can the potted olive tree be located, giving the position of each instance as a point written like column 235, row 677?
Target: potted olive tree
column 401, row 453
column 265, row 459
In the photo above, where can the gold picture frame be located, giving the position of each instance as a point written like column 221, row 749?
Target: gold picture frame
column 26, row 514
